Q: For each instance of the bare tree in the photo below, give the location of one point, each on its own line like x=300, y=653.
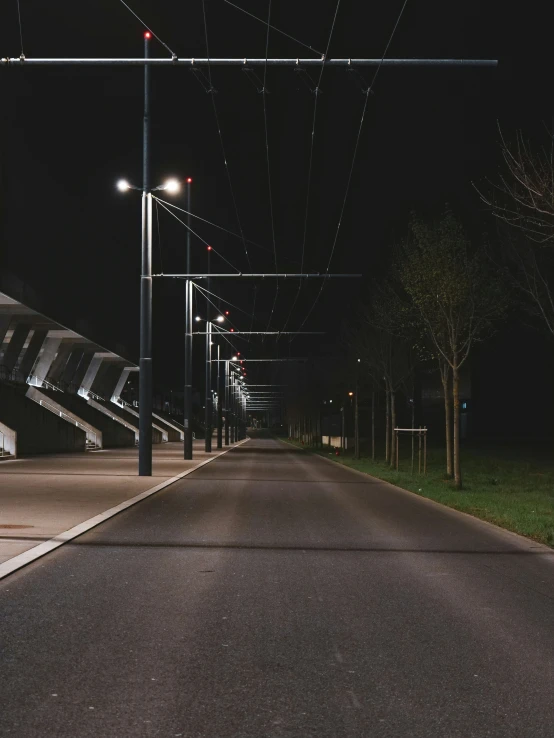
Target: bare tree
x=524, y=195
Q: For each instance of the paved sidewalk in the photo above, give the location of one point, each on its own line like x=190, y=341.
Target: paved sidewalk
x=42, y=496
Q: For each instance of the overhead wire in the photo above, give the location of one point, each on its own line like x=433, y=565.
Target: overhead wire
x=227, y=302
x=211, y=248
x=202, y=292
x=173, y=54
x=20, y=28
x=316, y=98
x=356, y=145
x=264, y=92
x=159, y=237
x=218, y=126
x=221, y=228
x=306, y=46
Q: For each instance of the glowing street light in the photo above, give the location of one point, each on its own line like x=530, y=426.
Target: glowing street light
x=145, y=362
x=123, y=185
x=171, y=185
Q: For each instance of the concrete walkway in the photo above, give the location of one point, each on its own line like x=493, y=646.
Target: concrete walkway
x=42, y=496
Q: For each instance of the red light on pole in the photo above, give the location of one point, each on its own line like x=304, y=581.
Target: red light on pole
x=232, y=330
x=189, y=180
x=226, y=312
x=209, y=248
x=147, y=34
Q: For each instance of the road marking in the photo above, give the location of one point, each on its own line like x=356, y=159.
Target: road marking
x=18, y=562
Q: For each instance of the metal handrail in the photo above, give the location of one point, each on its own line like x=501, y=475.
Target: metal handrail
x=36, y=382
x=55, y=410
x=94, y=396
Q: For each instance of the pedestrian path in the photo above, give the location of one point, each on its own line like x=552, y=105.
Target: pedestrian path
x=43, y=496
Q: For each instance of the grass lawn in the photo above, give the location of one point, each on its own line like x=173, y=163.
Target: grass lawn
x=511, y=486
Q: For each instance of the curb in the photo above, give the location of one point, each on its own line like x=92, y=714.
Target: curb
x=27, y=557
x=516, y=538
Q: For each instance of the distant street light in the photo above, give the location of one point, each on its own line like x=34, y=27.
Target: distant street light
x=209, y=397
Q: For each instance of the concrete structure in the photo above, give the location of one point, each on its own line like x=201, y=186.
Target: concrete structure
x=49, y=371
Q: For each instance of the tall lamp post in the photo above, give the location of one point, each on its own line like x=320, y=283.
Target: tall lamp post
x=208, y=394
x=145, y=363
x=187, y=398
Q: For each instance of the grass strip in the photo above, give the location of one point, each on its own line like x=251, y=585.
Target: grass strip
x=509, y=486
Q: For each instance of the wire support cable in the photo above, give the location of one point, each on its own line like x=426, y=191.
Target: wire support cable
x=159, y=236
x=353, y=162
x=213, y=294
x=20, y=29
x=219, y=227
x=310, y=165
x=217, y=309
x=223, y=152
x=199, y=237
x=264, y=93
x=274, y=28
x=173, y=54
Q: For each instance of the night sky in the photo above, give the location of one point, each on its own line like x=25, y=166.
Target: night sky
x=67, y=135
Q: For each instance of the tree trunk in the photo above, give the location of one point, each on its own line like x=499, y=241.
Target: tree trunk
x=412, y=433
x=393, y=426
x=387, y=424
x=456, y=397
x=373, y=425
x=445, y=376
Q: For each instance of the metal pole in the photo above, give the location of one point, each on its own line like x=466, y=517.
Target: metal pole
x=232, y=405
x=373, y=425
x=419, y=451
x=356, y=423
x=187, y=410
x=187, y=420
x=425, y=451
x=208, y=406
x=220, y=395
x=413, y=437
x=145, y=363
x=227, y=410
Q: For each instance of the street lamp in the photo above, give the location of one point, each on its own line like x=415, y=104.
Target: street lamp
x=145, y=363
x=209, y=398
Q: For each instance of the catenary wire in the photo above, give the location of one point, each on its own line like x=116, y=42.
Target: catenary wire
x=316, y=97
x=356, y=145
x=159, y=236
x=306, y=46
x=227, y=302
x=264, y=92
x=218, y=126
x=199, y=237
x=221, y=228
x=205, y=293
x=148, y=28
x=20, y=28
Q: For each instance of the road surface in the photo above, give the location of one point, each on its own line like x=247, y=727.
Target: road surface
x=272, y=594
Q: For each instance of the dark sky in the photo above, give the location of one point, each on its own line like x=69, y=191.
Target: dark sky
x=68, y=134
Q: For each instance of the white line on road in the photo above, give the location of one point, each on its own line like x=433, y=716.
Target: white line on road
x=8, y=567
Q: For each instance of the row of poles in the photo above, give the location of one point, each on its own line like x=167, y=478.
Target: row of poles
x=145, y=362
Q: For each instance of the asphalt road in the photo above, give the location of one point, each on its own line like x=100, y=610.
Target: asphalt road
x=272, y=594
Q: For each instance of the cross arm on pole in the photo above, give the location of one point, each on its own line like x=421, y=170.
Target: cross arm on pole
x=243, y=62
x=260, y=276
